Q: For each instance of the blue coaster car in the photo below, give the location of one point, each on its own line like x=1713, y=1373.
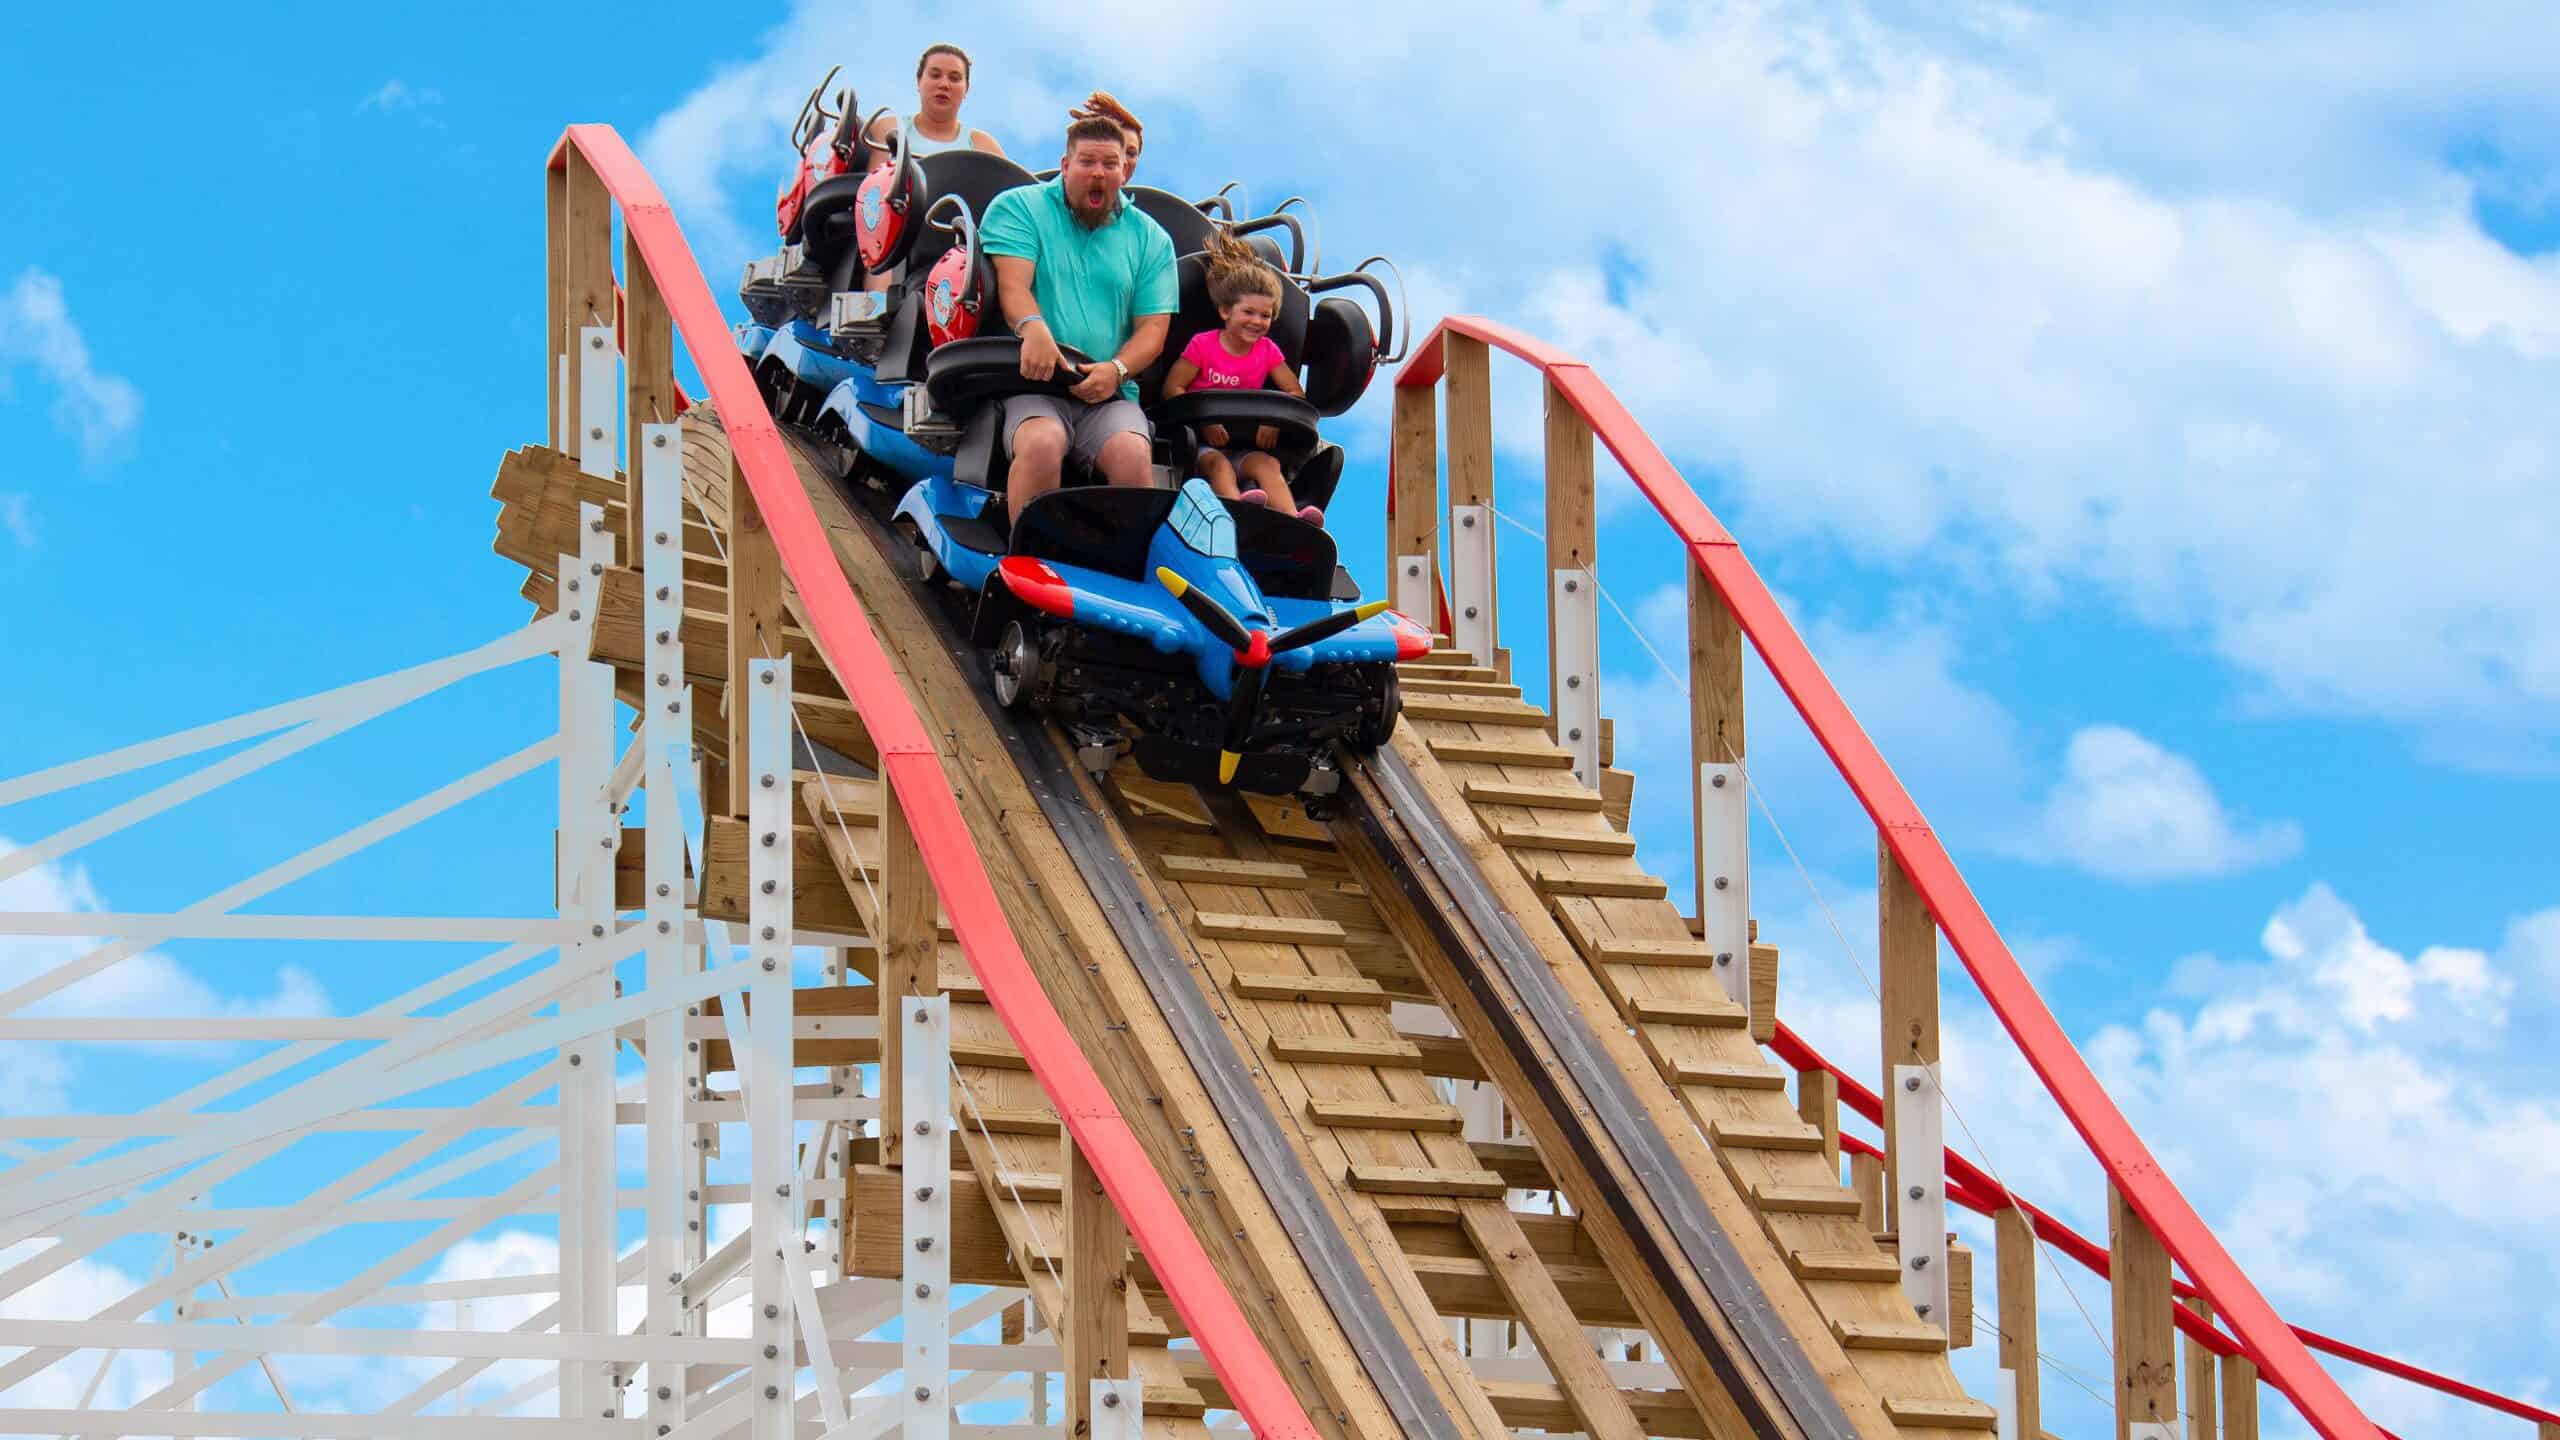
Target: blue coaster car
x=1208, y=626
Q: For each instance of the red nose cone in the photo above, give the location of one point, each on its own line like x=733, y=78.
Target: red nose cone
x=1257, y=654
x=1037, y=585
x=1411, y=643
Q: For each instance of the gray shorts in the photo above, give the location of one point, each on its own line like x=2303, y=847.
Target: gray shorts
x=1087, y=426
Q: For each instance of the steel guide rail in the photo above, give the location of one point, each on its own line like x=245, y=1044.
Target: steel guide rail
x=1223, y=1074
x=1703, y=1244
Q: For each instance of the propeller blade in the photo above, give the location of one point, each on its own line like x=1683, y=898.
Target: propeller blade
x=1242, y=711
x=1205, y=609
x=1327, y=626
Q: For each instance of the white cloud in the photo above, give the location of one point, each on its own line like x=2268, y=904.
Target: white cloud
x=34, y=1077
x=36, y=329
x=2127, y=809
x=1930, y=294
x=17, y=516
x=400, y=95
x=77, y=1290
x=2335, y=1108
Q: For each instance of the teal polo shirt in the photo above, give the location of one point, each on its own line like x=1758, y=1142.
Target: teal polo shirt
x=1091, y=285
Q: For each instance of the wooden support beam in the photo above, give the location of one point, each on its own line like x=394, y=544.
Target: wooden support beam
x=1764, y=993
x=1094, y=1330
x=648, y=372
x=1818, y=1101
x=755, y=616
x=1907, y=964
x=587, y=295
x=2202, y=1390
x=1866, y=1182
x=1467, y=370
x=2016, y=1263
x=1715, y=695
x=906, y=948
x=1416, y=531
x=2240, y=1402
x=1522, y=1274
x=2146, y=1356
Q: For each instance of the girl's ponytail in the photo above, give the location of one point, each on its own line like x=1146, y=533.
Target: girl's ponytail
x=1236, y=270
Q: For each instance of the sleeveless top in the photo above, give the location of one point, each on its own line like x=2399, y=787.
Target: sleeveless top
x=919, y=144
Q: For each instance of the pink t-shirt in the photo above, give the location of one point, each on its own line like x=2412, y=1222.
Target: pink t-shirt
x=1221, y=370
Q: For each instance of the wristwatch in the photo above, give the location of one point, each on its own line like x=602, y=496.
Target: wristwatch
x=1115, y=364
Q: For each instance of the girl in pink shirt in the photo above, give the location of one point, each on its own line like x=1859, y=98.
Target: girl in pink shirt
x=1240, y=355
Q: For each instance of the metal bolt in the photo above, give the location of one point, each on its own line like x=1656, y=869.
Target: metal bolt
x=770, y=1311
x=765, y=679
x=924, y=1392
x=665, y=1394
x=924, y=1127
x=1912, y=1084
x=768, y=964
x=768, y=932
x=924, y=1242
x=772, y=1392
x=923, y=1016
x=782, y=1190
x=1917, y=1192
x=768, y=837
x=1574, y=734
x=1724, y=957
x=1717, y=782
x=575, y=615
x=573, y=586
x=693, y=1194
x=694, y=1224
x=1413, y=569
x=1919, y=1262
x=577, y=1060
x=662, y=537
x=1572, y=586
x=772, y=1352
x=665, y=926
x=658, y=442
x=1471, y=612
x=693, y=1044
x=766, y=887
x=1722, y=883
x=605, y=841
x=596, y=930
x=595, y=567
x=1573, y=682
x=664, y=636
x=662, y=889
x=924, y=1192
x=666, y=1429
x=662, y=592
x=923, y=1290
x=1467, y=522
x=663, y=679
x=1110, y=1400
x=595, y=342
x=595, y=432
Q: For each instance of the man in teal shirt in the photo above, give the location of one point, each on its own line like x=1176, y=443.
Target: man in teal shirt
x=1077, y=265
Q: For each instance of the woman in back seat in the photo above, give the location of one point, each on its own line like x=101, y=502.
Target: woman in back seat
x=942, y=82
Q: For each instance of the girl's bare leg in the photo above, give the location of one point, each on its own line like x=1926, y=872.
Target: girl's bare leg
x=1263, y=469
x=1221, y=475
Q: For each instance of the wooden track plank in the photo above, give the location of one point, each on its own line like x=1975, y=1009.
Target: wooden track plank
x=1453, y=750
x=1548, y=837
x=1946, y=1414
x=1418, y=1180
x=1566, y=880
x=1386, y=1115
x=1320, y=989
x=1541, y=797
x=1888, y=1335
x=1393, y=1052
x=1843, y=1265
x=1470, y=710
x=1221, y=870
x=1712, y=1013
x=1729, y=1076
x=1804, y=1199
x=1754, y=1135
x=1271, y=929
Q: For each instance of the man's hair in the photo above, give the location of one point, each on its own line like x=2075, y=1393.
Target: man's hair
x=954, y=51
x=1094, y=127
x=1235, y=271
x=1100, y=105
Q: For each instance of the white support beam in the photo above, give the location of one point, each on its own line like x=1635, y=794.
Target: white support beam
x=599, y=400
x=925, y=1215
x=1724, y=874
x=673, y=1162
x=1471, y=580
x=764, y=1068
x=589, y=834
x=1118, y=1409
x=1573, y=600
x=1919, y=1118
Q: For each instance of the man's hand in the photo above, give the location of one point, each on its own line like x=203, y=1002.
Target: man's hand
x=1214, y=436
x=1040, y=355
x=1101, y=382
x=1267, y=438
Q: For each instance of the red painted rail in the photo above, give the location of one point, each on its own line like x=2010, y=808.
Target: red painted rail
x=2280, y=1354
x=914, y=774
x=1973, y=1188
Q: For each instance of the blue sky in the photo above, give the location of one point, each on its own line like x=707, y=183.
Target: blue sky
x=2146, y=418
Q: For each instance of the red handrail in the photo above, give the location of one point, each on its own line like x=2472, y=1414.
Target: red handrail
x=913, y=771
x=1970, y=1186
x=2110, y=1137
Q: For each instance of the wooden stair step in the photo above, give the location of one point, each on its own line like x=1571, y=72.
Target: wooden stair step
x=1429, y=683
x=1965, y=1414
x=1443, y=653
x=1321, y=989
x=1172, y=1402
x=1410, y=1180
x=1541, y=797
x=1549, y=837
x=1709, y=1014
x=1016, y=1122
x=1843, y=1265
x=1454, y=751
x=1765, y=1135
x=1447, y=672
x=1032, y=1186
x=1804, y=1199
x=1887, y=1335
x=1728, y=1076
x=1470, y=710
x=1673, y=954
x=1273, y=929
x=1565, y=880
x=1393, y=1052
x=1219, y=870
x=987, y=1056
x=1386, y=1115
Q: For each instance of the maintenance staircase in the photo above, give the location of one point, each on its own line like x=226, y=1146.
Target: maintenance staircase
x=1436, y=1115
